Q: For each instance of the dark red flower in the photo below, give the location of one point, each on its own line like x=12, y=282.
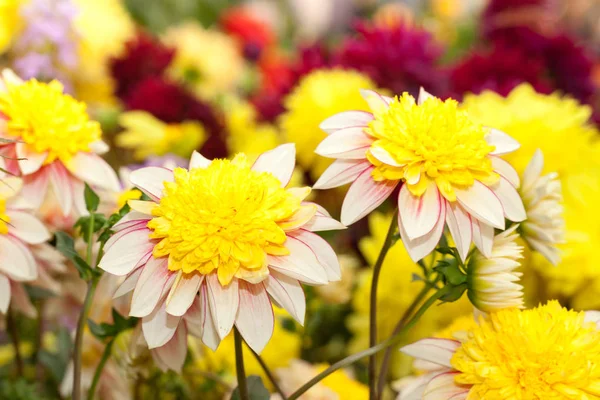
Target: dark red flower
x=399, y=57
x=253, y=34
x=143, y=57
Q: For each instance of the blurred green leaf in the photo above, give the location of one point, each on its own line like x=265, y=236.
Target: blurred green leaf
x=256, y=389
x=66, y=245
x=91, y=199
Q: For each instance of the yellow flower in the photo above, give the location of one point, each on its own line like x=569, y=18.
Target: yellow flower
x=208, y=60
x=148, y=136
x=320, y=95
x=9, y=22
x=458, y=329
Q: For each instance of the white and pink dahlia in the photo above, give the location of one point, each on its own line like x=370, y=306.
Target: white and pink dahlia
x=225, y=236
x=447, y=166
x=49, y=139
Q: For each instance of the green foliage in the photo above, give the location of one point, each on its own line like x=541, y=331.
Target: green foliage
x=91, y=199
x=256, y=389
x=19, y=390
x=105, y=331
x=66, y=245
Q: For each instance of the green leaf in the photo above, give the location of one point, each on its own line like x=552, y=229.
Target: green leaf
x=91, y=199
x=455, y=294
x=66, y=245
x=256, y=389
x=445, y=250
x=451, y=271
x=102, y=331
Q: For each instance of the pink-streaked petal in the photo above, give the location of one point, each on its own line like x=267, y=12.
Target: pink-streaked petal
x=421, y=247
x=364, y=196
x=324, y=252
x=4, y=294
x=424, y=95
x=35, y=187
x=99, y=147
x=481, y=202
x=193, y=316
x=92, y=169
x=510, y=199
x=349, y=143
x=255, y=319
x=16, y=261
x=198, y=161
x=459, y=224
x=61, y=183
x=288, y=293
x=321, y=222
x=125, y=230
x=437, y=351
x=224, y=302
x=300, y=218
x=376, y=101
x=130, y=219
x=210, y=335
x=418, y=215
x=149, y=287
x=504, y=143
x=128, y=284
x=341, y=172
x=301, y=263
x=171, y=356
x=533, y=170
x=29, y=161
x=150, y=180
x=413, y=387
x=506, y=170
x=383, y=155
x=122, y=257
x=159, y=327
x=28, y=228
x=78, y=188
x=346, y=119
x=184, y=294
x=483, y=237
x=280, y=162
x=442, y=386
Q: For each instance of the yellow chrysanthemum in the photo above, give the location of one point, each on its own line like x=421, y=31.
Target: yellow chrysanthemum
x=395, y=293
x=9, y=22
x=545, y=353
x=149, y=136
x=47, y=120
x=318, y=96
x=208, y=60
x=98, y=44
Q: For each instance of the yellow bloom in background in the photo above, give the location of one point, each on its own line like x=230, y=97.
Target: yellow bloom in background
x=9, y=22
x=149, y=136
x=208, y=60
x=104, y=26
x=246, y=134
x=395, y=293
x=317, y=97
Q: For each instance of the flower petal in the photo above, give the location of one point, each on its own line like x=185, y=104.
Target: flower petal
x=481, y=203
x=184, y=293
x=198, y=161
x=171, y=355
x=122, y=256
x=442, y=386
x=437, y=351
x=150, y=180
x=4, y=294
x=375, y=100
x=288, y=293
x=418, y=215
x=92, y=169
x=35, y=187
x=364, y=196
x=301, y=263
x=483, y=236
x=323, y=251
x=349, y=143
x=280, y=162
x=341, y=172
x=159, y=327
x=459, y=224
x=346, y=119
x=16, y=261
x=128, y=284
x=210, y=335
x=27, y=227
x=149, y=287
x=99, y=147
x=423, y=95
x=29, y=161
x=512, y=204
x=305, y=213
x=255, y=319
x=421, y=247
x=383, y=155
x=61, y=183
x=533, y=170
x=224, y=302
x=504, y=143
x=506, y=170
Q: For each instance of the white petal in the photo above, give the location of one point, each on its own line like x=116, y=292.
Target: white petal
x=418, y=215
x=149, y=287
x=61, y=183
x=224, y=302
x=437, y=351
x=383, y=155
x=128, y=284
x=159, y=327
x=421, y=247
x=16, y=260
x=442, y=386
x=341, y=172
x=375, y=100
x=533, y=170
x=481, y=203
x=172, y=354
x=288, y=293
x=322, y=223
x=255, y=319
x=20, y=301
x=483, y=237
x=301, y=263
x=364, y=196
x=150, y=180
x=324, y=252
x=506, y=170
x=92, y=169
x=280, y=162
x=4, y=294
x=413, y=387
x=503, y=142
x=27, y=227
x=29, y=161
x=346, y=119
x=349, y=143
x=423, y=95
x=122, y=256
x=210, y=335
x=459, y=224
x=35, y=188
x=510, y=199
x=590, y=316
x=199, y=161
x=99, y=147
x=184, y=294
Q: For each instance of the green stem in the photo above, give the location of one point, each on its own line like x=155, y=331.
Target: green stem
x=105, y=356
x=239, y=366
x=387, y=244
x=373, y=350
x=269, y=375
x=11, y=326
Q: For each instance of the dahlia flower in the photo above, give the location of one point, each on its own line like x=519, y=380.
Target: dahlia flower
x=544, y=227
x=233, y=244
x=493, y=281
x=19, y=232
x=547, y=353
x=56, y=142
x=447, y=167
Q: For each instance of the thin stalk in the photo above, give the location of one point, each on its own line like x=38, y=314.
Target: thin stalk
x=11, y=325
x=373, y=350
x=373, y=303
x=239, y=366
x=98, y=373
x=269, y=375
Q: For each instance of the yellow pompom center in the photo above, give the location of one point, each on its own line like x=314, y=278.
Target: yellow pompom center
x=224, y=217
x=434, y=141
